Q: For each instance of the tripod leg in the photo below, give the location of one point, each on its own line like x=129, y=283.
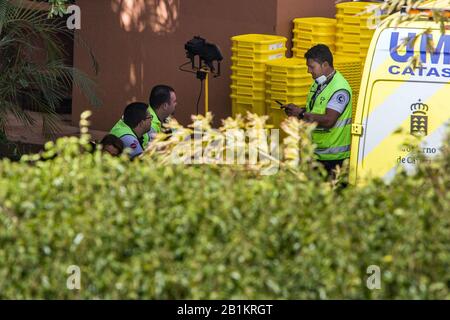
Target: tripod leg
x=206, y=93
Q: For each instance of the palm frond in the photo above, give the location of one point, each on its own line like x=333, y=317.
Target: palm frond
x=41, y=84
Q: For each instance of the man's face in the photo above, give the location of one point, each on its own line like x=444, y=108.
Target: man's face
x=147, y=122
x=170, y=107
x=314, y=68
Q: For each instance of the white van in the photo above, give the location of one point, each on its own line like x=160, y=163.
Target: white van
x=398, y=101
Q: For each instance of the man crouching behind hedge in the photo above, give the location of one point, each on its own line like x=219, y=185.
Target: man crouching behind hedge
x=133, y=129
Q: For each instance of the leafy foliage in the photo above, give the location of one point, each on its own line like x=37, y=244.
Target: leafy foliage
x=150, y=229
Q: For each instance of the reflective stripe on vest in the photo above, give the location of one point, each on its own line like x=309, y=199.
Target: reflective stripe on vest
x=343, y=123
x=333, y=150
x=121, y=129
x=333, y=143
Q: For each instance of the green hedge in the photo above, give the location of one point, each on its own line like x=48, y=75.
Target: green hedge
x=143, y=230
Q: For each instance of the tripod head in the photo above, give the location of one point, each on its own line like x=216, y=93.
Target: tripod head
x=208, y=55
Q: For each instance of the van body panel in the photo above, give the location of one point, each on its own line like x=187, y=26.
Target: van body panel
x=399, y=104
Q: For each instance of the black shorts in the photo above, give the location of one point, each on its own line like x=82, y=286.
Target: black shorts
x=331, y=165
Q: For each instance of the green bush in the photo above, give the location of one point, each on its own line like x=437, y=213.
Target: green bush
x=145, y=230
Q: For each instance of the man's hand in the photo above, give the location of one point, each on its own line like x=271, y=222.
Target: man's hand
x=293, y=111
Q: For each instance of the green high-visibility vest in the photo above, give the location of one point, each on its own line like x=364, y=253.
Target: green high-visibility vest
x=121, y=129
x=156, y=123
x=334, y=143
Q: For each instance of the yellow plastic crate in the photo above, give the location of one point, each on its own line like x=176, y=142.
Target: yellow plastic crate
x=247, y=82
x=299, y=53
x=355, y=82
x=252, y=73
x=363, y=30
x=352, y=8
x=252, y=93
x=275, y=113
x=361, y=21
x=350, y=67
x=258, y=42
x=240, y=105
x=352, y=38
x=299, y=99
x=352, y=76
x=349, y=29
x=366, y=43
x=303, y=47
x=350, y=48
x=289, y=66
x=288, y=88
x=363, y=58
x=315, y=25
x=247, y=63
x=363, y=53
x=342, y=59
x=353, y=29
x=298, y=80
x=315, y=37
x=259, y=55
x=305, y=44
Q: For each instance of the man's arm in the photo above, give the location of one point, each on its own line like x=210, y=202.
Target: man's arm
x=326, y=121
x=130, y=142
x=335, y=108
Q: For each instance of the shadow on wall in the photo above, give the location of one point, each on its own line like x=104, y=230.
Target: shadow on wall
x=134, y=15
x=140, y=43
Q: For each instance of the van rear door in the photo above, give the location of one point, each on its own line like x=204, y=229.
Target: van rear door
x=399, y=103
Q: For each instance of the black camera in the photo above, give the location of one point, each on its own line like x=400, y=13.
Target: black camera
x=207, y=52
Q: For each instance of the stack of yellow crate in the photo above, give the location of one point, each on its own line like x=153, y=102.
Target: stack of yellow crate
x=288, y=81
x=351, y=69
x=355, y=28
x=309, y=32
x=250, y=54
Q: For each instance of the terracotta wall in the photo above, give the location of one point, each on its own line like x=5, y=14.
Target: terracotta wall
x=140, y=43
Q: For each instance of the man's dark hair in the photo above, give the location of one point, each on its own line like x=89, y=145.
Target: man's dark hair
x=134, y=113
x=114, y=141
x=160, y=94
x=320, y=53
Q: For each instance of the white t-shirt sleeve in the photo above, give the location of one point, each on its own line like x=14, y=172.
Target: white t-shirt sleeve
x=133, y=144
x=339, y=101
x=151, y=134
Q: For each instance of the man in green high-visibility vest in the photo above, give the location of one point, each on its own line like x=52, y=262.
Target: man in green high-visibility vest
x=162, y=105
x=329, y=104
x=134, y=127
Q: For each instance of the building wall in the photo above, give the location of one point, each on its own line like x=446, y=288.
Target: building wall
x=140, y=43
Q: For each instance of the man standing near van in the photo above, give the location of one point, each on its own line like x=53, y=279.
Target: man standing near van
x=329, y=104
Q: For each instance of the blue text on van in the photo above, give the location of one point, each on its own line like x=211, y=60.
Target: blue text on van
x=441, y=49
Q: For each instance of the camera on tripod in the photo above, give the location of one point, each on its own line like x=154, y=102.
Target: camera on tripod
x=208, y=53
